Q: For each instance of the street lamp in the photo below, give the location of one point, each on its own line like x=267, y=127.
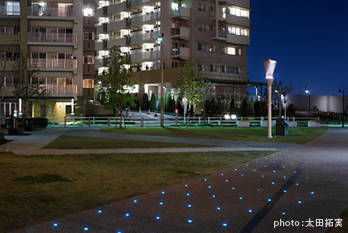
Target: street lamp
x=341, y=90
x=269, y=66
x=309, y=99
x=160, y=40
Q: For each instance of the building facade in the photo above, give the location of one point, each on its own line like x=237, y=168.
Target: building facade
x=57, y=37
x=215, y=32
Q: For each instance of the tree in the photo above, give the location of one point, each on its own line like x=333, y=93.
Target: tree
x=145, y=104
x=257, y=108
x=168, y=106
x=116, y=82
x=191, y=83
x=153, y=106
x=3, y=89
x=245, y=109
x=205, y=93
x=232, y=106
x=26, y=84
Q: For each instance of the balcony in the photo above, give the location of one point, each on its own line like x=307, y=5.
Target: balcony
x=222, y=35
x=223, y=76
x=53, y=64
x=242, y=21
x=145, y=37
x=141, y=2
x=53, y=39
x=117, y=42
x=181, y=53
x=148, y=56
x=51, y=13
x=148, y=18
x=221, y=15
x=181, y=13
x=182, y=33
x=236, y=39
x=9, y=39
x=60, y=90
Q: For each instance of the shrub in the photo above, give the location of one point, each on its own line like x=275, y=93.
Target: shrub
x=38, y=122
x=257, y=109
x=145, y=104
x=245, y=110
x=153, y=102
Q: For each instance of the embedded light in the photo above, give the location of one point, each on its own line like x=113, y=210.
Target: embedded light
x=307, y=178
x=257, y=161
x=284, y=191
x=157, y=217
x=127, y=214
x=222, y=174
x=240, y=198
x=213, y=196
x=233, y=188
x=263, y=175
x=289, y=156
x=283, y=166
x=163, y=192
x=209, y=187
x=205, y=179
x=312, y=193
x=265, y=166
x=283, y=213
x=218, y=208
x=284, y=177
x=265, y=158
x=185, y=185
x=272, y=182
x=235, y=169
x=226, y=180
x=161, y=203
x=86, y=228
x=242, y=174
x=227, y=117
x=99, y=82
x=258, y=189
x=55, y=224
x=299, y=202
x=189, y=221
x=135, y=201
x=224, y=224
x=250, y=211
x=273, y=155
x=254, y=170
x=274, y=170
x=189, y=206
x=296, y=183
x=247, y=165
x=292, y=163
x=99, y=211
x=294, y=171
x=187, y=194
x=269, y=200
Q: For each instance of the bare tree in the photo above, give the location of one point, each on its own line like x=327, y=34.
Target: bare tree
x=26, y=84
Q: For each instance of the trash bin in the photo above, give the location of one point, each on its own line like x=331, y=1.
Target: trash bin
x=282, y=128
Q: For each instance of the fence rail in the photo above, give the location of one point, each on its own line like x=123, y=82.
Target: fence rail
x=135, y=122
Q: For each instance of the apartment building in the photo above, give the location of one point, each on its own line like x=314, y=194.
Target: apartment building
x=57, y=36
x=217, y=32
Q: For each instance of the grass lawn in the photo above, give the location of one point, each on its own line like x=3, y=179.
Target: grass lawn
x=69, y=142
x=41, y=188
x=296, y=135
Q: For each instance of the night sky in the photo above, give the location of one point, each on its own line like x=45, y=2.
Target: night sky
x=308, y=39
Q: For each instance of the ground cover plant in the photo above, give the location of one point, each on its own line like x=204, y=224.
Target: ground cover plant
x=296, y=135
x=70, y=142
x=41, y=188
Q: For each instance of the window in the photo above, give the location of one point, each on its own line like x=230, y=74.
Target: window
x=13, y=8
x=239, y=12
x=88, y=59
x=204, y=27
x=88, y=12
x=212, y=68
x=230, y=69
x=201, y=7
x=231, y=51
x=207, y=47
x=88, y=83
x=88, y=36
x=238, y=31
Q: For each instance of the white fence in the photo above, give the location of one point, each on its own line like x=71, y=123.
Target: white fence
x=173, y=121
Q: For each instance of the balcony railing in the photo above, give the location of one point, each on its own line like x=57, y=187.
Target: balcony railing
x=52, y=37
x=52, y=11
x=145, y=56
x=145, y=18
x=221, y=34
x=140, y=2
x=60, y=89
x=52, y=63
x=145, y=36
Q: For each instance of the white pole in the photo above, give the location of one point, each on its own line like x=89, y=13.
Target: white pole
x=269, y=66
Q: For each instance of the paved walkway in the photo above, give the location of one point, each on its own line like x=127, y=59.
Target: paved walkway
x=31, y=145
x=301, y=184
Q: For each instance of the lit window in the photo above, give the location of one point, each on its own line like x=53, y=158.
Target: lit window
x=175, y=6
x=87, y=12
x=13, y=8
x=88, y=83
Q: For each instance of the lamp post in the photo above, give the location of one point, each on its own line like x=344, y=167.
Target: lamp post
x=341, y=90
x=160, y=40
x=165, y=98
x=309, y=99
x=269, y=66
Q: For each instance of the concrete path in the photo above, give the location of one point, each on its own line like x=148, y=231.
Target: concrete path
x=300, y=189
x=31, y=145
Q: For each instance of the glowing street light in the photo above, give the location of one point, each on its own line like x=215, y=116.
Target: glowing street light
x=269, y=66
